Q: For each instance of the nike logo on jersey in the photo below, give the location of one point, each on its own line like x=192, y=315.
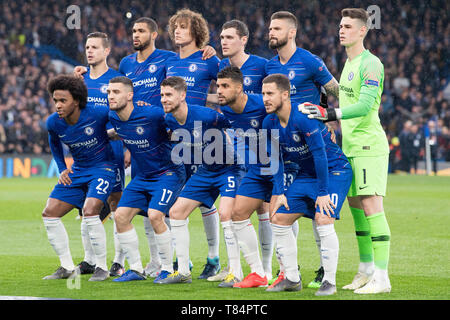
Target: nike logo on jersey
x=128, y=73
x=360, y=188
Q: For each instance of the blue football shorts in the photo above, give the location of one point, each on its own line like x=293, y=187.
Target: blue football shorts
x=302, y=193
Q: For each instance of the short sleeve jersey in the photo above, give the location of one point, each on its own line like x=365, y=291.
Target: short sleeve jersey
x=306, y=72
x=197, y=73
x=253, y=71
x=147, y=75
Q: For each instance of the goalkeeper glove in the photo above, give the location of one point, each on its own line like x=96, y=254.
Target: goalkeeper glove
x=317, y=112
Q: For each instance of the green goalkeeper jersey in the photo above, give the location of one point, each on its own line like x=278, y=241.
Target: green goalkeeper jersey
x=360, y=89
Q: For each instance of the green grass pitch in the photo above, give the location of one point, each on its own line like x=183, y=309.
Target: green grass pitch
x=417, y=207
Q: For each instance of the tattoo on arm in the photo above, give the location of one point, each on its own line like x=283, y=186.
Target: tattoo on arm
x=332, y=87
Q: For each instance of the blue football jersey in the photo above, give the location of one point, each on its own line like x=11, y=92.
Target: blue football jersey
x=97, y=96
x=306, y=72
x=145, y=135
x=87, y=140
x=253, y=70
x=197, y=73
x=146, y=76
x=196, y=135
x=247, y=126
x=300, y=140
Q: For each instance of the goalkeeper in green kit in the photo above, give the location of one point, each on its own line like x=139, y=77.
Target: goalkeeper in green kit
x=365, y=144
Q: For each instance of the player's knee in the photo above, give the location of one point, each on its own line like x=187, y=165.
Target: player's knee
x=155, y=217
x=175, y=213
x=322, y=219
x=239, y=214
x=48, y=213
x=90, y=211
x=121, y=219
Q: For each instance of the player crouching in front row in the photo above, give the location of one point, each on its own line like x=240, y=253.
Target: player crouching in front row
x=318, y=191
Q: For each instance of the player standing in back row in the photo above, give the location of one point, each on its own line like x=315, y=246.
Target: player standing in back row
x=365, y=144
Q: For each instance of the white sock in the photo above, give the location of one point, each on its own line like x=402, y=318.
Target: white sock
x=150, y=233
x=167, y=221
x=165, y=250
x=89, y=255
x=287, y=250
x=129, y=242
x=59, y=240
x=248, y=243
x=210, y=218
x=295, y=229
x=366, y=267
x=119, y=254
x=265, y=240
x=180, y=230
x=97, y=235
x=234, y=255
x=330, y=251
x=317, y=238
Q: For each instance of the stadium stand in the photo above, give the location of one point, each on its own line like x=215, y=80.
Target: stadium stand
x=413, y=42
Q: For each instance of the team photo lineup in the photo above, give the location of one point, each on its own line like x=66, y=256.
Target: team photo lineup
x=159, y=106
x=224, y=150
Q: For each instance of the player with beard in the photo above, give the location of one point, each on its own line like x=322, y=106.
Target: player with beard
x=158, y=180
x=307, y=74
x=147, y=69
x=216, y=175
x=318, y=191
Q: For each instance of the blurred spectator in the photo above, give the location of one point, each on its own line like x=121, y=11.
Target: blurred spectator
x=413, y=43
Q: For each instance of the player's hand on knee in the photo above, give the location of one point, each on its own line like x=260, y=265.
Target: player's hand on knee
x=127, y=158
x=276, y=202
x=331, y=131
x=64, y=177
x=325, y=205
x=78, y=71
x=208, y=52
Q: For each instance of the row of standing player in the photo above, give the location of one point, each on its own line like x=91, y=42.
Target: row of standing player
x=303, y=69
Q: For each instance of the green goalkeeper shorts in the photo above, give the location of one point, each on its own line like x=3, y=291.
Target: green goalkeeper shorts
x=369, y=176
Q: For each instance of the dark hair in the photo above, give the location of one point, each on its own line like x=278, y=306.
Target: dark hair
x=280, y=80
x=175, y=82
x=151, y=24
x=285, y=15
x=122, y=79
x=198, y=26
x=74, y=85
x=231, y=72
x=241, y=27
x=356, y=13
x=101, y=35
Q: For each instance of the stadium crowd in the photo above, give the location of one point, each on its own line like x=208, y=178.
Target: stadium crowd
x=413, y=43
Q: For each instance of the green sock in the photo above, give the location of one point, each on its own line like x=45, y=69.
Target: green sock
x=381, y=239
x=362, y=229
